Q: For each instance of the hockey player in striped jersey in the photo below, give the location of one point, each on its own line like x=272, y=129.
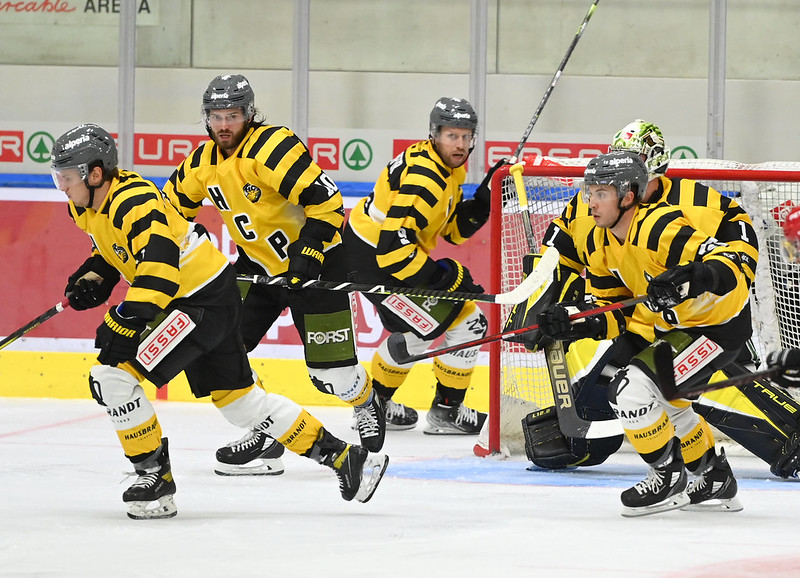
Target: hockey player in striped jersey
x=285, y=216
x=418, y=200
x=754, y=415
x=186, y=290
x=698, y=305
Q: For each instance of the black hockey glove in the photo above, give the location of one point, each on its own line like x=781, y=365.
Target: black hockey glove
x=118, y=337
x=483, y=194
x=680, y=283
x=789, y=360
x=305, y=261
x=91, y=285
x=555, y=324
x=450, y=276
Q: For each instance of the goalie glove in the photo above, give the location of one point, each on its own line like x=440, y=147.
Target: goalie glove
x=555, y=323
x=789, y=361
x=683, y=282
x=450, y=276
x=91, y=285
x=118, y=337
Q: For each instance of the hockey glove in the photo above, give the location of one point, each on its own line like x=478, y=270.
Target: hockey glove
x=789, y=360
x=91, y=285
x=555, y=323
x=450, y=276
x=680, y=283
x=483, y=194
x=118, y=337
x=305, y=261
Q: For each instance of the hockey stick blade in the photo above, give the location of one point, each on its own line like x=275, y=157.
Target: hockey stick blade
x=521, y=292
x=52, y=312
x=398, y=347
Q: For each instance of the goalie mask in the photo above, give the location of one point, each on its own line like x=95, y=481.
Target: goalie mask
x=229, y=91
x=791, y=231
x=643, y=138
x=78, y=151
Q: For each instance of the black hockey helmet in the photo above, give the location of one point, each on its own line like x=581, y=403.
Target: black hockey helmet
x=229, y=91
x=455, y=112
x=83, y=147
x=625, y=171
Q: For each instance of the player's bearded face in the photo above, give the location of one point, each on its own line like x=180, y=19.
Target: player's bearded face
x=453, y=145
x=228, y=128
x=604, y=204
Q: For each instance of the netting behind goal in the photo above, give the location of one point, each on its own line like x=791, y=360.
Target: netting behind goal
x=519, y=382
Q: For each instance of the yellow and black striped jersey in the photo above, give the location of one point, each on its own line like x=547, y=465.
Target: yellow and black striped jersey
x=660, y=237
x=706, y=209
x=413, y=204
x=154, y=248
x=265, y=192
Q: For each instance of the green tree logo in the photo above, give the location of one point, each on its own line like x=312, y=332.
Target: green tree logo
x=683, y=152
x=39, y=146
x=357, y=154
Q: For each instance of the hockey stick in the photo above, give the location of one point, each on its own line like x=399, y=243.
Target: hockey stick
x=398, y=348
x=52, y=312
x=556, y=76
x=537, y=278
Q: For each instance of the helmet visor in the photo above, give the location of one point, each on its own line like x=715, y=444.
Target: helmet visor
x=66, y=177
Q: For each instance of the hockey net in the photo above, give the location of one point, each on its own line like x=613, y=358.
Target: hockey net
x=519, y=382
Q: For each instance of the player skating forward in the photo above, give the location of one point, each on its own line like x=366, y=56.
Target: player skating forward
x=760, y=417
x=698, y=305
x=179, y=278
x=390, y=236
x=285, y=216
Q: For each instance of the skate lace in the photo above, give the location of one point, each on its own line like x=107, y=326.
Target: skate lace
x=249, y=440
x=395, y=410
x=367, y=421
x=653, y=481
x=467, y=415
x=145, y=481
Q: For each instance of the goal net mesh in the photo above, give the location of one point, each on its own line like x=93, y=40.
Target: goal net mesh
x=519, y=381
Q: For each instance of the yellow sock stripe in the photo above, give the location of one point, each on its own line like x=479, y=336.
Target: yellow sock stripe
x=142, y=438
x=388, y=374
x=223, y=397
x=301, y=436
x=697, y=442
x=651, y=438
x=449, y=376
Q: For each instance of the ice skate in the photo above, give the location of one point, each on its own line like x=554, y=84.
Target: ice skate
x=662, y=490
x=399, y=416
x=256, y=454
x=455, y=419
x=151, y=495
x=371, y=423
x=715, y=489
x=359, y=471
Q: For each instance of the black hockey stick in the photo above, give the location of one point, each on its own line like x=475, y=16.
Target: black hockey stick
x=553, y=82
x=538, y=277
x=52, y=312
x=672, y=391
x=398, y=348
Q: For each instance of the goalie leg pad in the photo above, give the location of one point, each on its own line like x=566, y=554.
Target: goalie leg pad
x=787, y=463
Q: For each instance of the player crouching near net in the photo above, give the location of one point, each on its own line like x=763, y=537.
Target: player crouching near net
x=697, y=301
x=178, y=277
x=390, y=236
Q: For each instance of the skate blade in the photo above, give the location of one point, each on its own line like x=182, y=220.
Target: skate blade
x=164, y=507
x=716, y=505
x=257, y=467
x=672, y=503
x=398, y=427
x=371, y=475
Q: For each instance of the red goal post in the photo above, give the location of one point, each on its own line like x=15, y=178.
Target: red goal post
x=518, y=379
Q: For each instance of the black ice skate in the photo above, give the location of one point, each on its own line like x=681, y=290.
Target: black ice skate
x=715, y=489
x=371, y=423
x=154, y=484
x=662, y=490
x=256, y=454
x=399, y=416
x=455, y=419
x=359, y=471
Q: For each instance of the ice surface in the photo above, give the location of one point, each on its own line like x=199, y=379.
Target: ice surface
x=439, y=512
